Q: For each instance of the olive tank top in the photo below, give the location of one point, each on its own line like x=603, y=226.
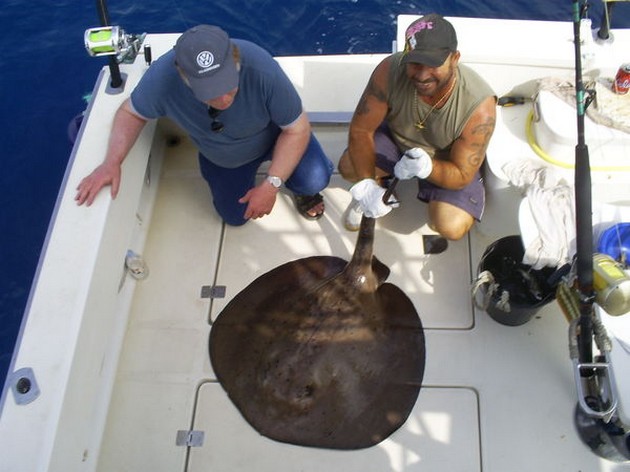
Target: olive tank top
x=442, y=126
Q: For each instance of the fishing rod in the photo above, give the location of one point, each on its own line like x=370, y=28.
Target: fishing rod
x=114, y=69
x=594, y=378
x=583, y=202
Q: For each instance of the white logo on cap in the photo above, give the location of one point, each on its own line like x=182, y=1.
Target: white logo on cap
x=205, y=59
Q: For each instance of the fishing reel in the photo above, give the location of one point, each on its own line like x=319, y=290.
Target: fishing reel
x=597, y=418
x=113, y=41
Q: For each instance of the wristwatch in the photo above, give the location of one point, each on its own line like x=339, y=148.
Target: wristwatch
x=274, y=180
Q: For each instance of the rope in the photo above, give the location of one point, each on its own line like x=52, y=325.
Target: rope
x=567, y=298
x=504, y=302
x=604, y=344
x=601, y=336
x=574, y=352
x=486, y=278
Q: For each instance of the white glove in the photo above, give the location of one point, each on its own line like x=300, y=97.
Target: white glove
x=415, y=162
x=369, y=194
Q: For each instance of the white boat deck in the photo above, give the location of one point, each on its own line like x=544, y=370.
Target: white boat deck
x=122, y=365
x=488, y=390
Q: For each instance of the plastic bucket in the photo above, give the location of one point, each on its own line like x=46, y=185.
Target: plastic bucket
x=513, y=292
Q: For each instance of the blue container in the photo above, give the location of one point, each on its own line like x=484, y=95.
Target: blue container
x=615, y=242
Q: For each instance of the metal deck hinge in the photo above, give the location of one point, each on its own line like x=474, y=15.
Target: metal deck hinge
x=216, y=291
x=189, y=438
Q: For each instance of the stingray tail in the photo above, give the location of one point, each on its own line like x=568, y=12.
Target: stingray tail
x=365, y=271
x=363, y=250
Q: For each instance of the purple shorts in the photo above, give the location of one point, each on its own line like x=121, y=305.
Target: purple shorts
x=471, y=198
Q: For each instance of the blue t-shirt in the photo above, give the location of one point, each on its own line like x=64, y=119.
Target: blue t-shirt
x=266, y=100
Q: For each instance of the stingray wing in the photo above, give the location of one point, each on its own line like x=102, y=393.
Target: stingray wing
x=309, y=360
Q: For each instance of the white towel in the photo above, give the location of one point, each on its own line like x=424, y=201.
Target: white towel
x=552, y=206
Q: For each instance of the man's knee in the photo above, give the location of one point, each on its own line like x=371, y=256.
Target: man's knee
x=452, y=232
x=230, y=214
x=345, y=167
x=235, y=221
x=451, y=222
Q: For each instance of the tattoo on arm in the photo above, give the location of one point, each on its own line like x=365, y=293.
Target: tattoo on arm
x=370, y=90
x=481, y=137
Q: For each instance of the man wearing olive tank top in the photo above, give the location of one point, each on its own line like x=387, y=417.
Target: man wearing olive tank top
x=422, y=115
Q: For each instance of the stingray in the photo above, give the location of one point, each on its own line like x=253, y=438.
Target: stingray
x=320, y=352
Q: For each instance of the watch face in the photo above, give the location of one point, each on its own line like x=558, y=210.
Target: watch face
x=275, y=181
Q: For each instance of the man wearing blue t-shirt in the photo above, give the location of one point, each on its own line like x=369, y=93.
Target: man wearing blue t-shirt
x=240, y=109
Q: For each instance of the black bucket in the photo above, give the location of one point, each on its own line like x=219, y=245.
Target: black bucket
x=514, y=292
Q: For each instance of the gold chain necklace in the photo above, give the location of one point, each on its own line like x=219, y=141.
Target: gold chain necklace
x=421, y=121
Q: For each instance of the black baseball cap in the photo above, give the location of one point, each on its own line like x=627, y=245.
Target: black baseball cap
x=429, y=40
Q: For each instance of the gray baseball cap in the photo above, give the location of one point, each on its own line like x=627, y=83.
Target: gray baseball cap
x=204, y=55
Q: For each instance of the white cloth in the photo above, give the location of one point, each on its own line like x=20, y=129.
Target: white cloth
x=415, y=162
x=552, y=207
x=608, y=108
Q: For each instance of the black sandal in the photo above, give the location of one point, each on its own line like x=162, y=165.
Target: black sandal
x=306, y=203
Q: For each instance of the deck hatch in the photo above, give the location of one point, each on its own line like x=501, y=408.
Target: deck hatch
x=444, y=420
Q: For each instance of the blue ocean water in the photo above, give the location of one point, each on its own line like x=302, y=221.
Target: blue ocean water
x=45, y=73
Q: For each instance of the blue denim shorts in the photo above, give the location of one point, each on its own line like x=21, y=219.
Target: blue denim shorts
x=471, y=199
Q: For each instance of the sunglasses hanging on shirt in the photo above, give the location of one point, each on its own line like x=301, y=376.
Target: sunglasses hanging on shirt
x=216, y=125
